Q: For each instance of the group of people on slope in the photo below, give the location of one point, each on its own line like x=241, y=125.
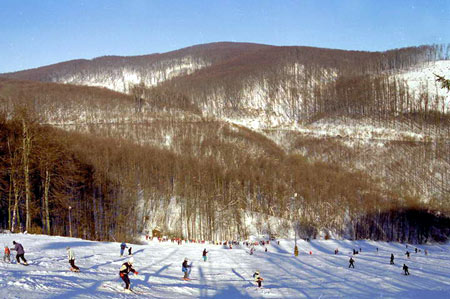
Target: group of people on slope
x=405, y=268
x=20, y=256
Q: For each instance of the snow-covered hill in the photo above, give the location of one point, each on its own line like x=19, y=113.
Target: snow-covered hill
x=422, y=78
x=227, y=273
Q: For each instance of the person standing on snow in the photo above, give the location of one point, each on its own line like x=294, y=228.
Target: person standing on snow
x=126, y=268
x=7, y=255
x=392, y=259
x=407, y=253
x=71, y=256
x=185, y=268
x=204, y=255
x=20, y=253
x=405, y=268
x=129, y=251
x=351, y=263
x=122, y=248
x=258, y=278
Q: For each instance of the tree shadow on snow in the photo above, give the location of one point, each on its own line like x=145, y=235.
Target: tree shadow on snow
x=228, y=292
x=63, y=245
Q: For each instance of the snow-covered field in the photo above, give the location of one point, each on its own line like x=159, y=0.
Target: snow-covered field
x=227, y=273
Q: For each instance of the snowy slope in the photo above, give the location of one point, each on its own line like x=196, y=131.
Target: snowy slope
x=423, y=78
x=228, y=272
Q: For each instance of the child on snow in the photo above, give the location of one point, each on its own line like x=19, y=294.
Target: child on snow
x=126, y=268
x=129, y=251
x=122, y=248
x=71, y=257
x=204, y=255
x=185, y=268
x=392, y=259
x=7, y=255
x=258, y=278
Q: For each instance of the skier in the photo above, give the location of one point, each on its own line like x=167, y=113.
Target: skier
x=122, y=248
x=407, y=253
x=405, y=268
x=426, y=252
x=20, y=253
x=258, y=278
x=129, y=251
x=265, y=249
x=415, y=249
x=392, y=259
x=71, y=256
x=204, y=255
x=185, y=268
x=126, y=268
x=7, y=255
x=336, y=251
x=351, y=261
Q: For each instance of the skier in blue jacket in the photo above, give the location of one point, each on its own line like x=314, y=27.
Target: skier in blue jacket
x=122, y=248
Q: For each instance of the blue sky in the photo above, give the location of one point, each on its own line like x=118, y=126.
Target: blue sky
x=40, y=32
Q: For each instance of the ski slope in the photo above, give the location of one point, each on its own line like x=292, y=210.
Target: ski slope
x=227, y=273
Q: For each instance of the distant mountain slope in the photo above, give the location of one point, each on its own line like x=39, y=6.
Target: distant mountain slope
x=117, y=72
x=224, y=58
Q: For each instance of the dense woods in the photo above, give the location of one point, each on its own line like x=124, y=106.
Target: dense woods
x=113, y=188
x=98, y=164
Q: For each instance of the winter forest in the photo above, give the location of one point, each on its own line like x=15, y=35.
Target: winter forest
x=221, y=141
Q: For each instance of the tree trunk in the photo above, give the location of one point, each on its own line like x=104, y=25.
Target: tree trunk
x=9, y=201
x=16, y=205
x=26, y=171
x=46, y=210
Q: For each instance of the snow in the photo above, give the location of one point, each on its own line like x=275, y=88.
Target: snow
x=121, y=78
x=227, y=273
x=423, y=77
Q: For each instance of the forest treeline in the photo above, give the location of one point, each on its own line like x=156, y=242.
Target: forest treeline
x=67, y=183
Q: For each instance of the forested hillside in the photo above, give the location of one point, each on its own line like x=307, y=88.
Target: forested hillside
x=252, y=139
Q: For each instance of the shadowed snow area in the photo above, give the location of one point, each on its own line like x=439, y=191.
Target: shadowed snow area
x=227, y=273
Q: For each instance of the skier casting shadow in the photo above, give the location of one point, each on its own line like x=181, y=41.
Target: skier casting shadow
x=405, y=268
x=351, y=263
x=185, y=268
x=258, y=279
x=71, y=256
x=126, y=268
x=204, y=255
x=20, y=253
